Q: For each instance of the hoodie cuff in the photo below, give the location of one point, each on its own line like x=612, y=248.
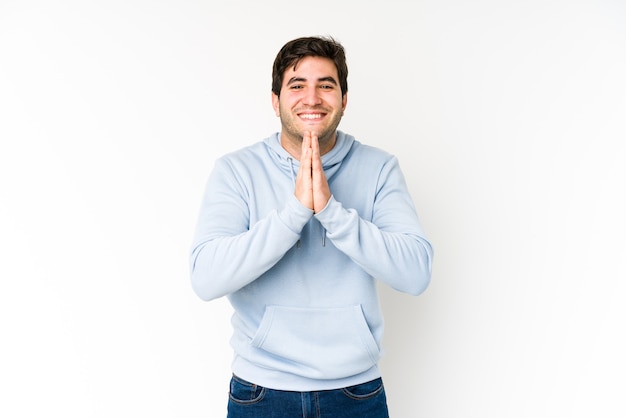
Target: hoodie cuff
x=295, y=215
x=334, y=217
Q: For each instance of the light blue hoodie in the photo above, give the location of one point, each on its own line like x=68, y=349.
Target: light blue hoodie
x=303, y=285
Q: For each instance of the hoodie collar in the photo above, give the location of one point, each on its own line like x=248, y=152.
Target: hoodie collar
x=331, y=161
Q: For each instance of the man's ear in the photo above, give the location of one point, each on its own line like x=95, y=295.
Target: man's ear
x=344, y=103
x=276, y=103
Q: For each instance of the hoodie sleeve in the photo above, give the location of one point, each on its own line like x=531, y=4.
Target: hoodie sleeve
x=392, y=247
x=227, y=252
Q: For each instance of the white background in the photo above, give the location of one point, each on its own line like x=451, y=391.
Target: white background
x=509, y=121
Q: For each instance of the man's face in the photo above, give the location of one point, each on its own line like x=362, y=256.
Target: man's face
x=310, y=100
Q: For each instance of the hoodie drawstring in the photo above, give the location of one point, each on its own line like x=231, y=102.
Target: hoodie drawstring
x=293, y=174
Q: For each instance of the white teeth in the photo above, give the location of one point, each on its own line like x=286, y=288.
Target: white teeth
x=311, y=116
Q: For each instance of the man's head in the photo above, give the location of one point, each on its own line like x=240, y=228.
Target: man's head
x=309, y=91
x=294, y=51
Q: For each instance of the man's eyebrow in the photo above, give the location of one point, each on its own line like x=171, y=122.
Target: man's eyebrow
x=328, y=79
x=296, y=80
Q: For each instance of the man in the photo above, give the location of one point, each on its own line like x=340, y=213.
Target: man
x=295, y=230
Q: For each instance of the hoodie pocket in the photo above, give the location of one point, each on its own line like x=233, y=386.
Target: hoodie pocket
x=316, y=343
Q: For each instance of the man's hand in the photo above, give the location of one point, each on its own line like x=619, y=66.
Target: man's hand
x=304, y=180
x=321, y=190
x=311, y=185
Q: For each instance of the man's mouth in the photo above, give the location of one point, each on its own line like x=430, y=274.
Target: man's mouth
x=311, y=116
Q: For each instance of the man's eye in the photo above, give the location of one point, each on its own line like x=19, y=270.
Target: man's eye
x=327, y=86
x=296, y=87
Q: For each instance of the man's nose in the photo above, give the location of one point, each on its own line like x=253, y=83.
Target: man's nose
x=312, y=97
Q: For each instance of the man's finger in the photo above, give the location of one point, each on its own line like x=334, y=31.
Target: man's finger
x=321, y=190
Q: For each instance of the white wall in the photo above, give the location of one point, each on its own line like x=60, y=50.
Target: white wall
x=508, y=119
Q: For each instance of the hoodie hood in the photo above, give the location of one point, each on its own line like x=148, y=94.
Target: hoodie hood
x=331, y=161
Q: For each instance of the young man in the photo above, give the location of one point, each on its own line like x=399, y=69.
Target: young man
x=295, y=230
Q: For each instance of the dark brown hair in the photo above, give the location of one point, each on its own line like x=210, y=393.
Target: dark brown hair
x=314, y=46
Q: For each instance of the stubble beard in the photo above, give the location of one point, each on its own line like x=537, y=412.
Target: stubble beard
x=325, y=137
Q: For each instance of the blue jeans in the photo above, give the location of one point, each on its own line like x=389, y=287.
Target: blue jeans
x=247, y=400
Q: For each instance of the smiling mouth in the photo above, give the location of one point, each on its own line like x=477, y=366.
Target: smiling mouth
x=311, y=116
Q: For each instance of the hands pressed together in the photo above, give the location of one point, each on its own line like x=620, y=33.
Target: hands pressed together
x=312, y=188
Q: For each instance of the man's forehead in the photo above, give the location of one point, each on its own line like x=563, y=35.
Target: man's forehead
x=300, y=69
